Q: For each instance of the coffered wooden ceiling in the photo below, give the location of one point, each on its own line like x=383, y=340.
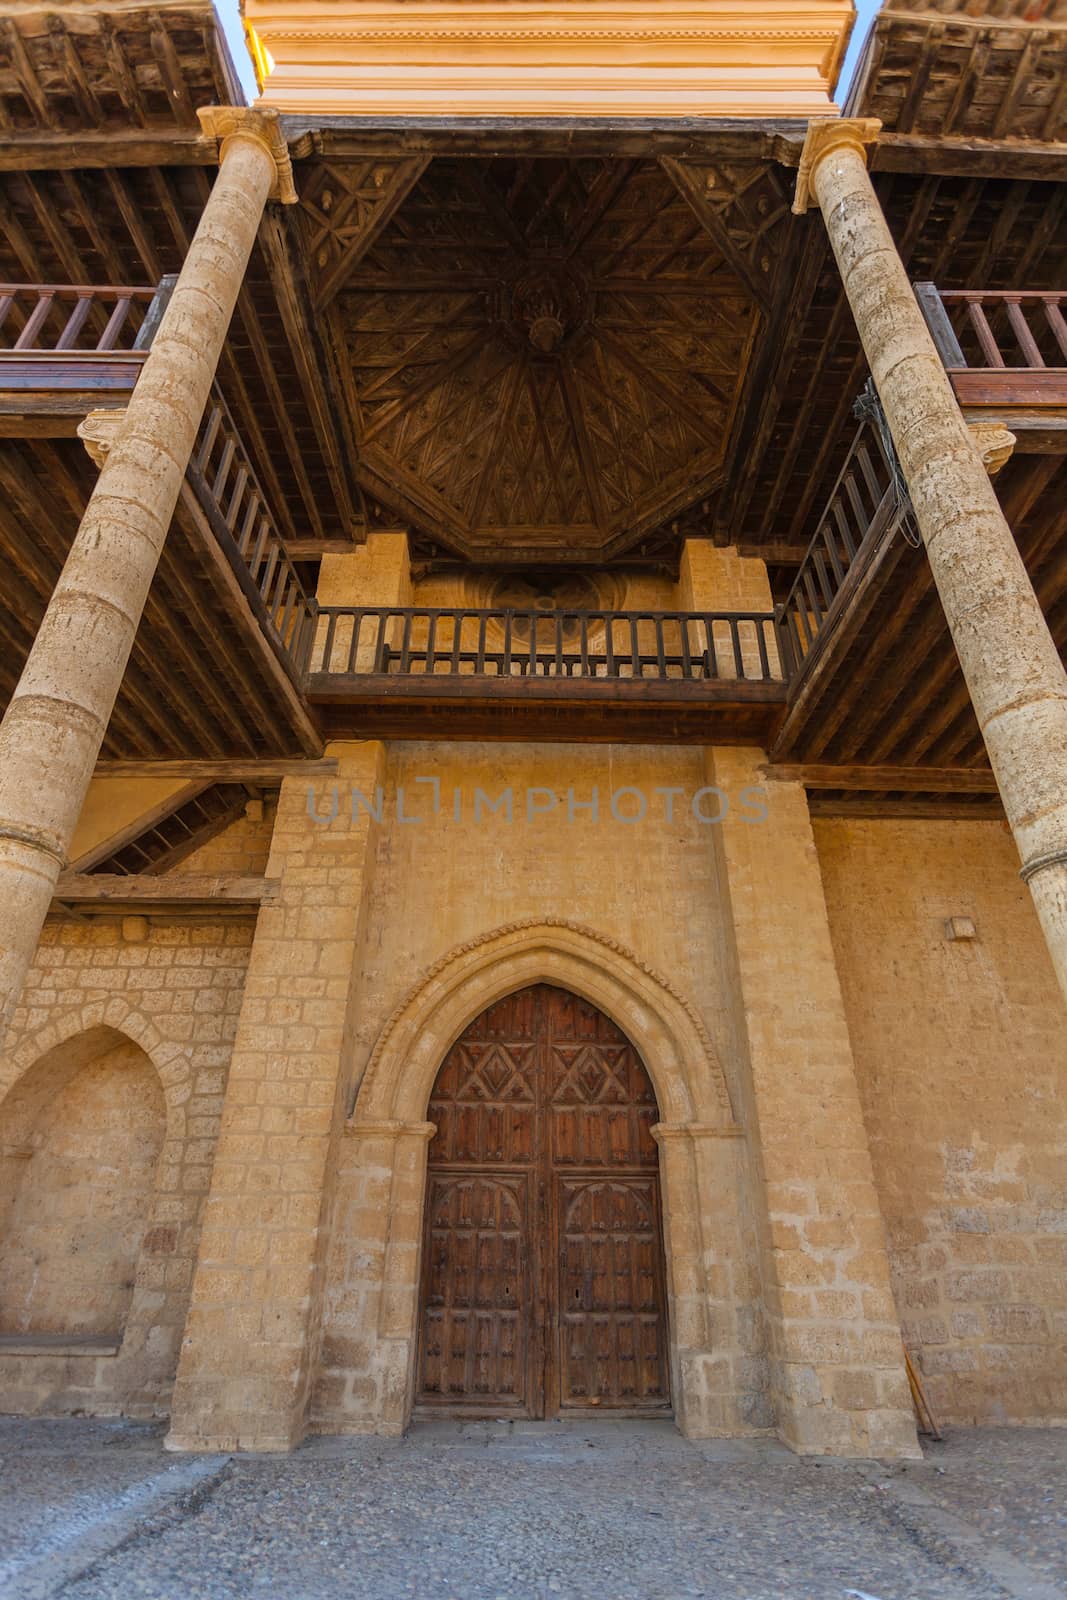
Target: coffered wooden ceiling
x=542, y=356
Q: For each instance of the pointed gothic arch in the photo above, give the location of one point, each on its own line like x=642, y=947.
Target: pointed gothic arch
x=373, y=1272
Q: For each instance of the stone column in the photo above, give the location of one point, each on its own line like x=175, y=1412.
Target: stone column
x=1010, y=662
x=55, y=724
x=250, y=1353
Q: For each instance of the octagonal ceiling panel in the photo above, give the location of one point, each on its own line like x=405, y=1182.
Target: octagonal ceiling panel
x=546, y=354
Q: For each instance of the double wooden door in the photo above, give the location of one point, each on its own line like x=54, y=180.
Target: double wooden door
x=543, y=1279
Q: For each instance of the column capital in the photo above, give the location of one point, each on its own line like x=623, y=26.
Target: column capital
x=98, y=431
x=261, y=125
x=389, y=1129
x=994, y=444
x=662, y=1132
x=825, y=135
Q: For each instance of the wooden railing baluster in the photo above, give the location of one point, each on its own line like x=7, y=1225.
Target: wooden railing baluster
x=75, y=322
x=1054, y=318
x=35, y=321
x=237, y=494
x=109, y=338
x=223, y=480
x=661, y=659
x=1021, y=329
x=990, y=348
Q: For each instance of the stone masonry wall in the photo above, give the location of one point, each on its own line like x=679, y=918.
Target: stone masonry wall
x=962, y=1065
x=176, y=995
x=440, y=882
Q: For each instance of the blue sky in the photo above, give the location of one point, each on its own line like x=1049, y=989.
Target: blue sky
x=231, y=21
x=865, y=10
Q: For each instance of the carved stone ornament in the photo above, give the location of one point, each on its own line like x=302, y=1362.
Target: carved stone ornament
x=994, y=444
x=229, y=122
x=98, y=431
x=825, y=135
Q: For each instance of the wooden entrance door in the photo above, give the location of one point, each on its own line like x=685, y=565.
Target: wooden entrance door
x=543, y=1277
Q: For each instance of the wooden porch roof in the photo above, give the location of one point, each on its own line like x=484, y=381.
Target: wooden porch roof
x=103, y=173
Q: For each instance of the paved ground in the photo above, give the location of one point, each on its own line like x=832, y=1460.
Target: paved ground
x=614, y=1511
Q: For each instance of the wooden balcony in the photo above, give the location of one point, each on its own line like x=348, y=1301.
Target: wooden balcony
x=223, y=494
x=1006, y=355
x=571, y=675
x=65, y=349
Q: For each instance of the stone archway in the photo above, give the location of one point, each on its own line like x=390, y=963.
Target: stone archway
x=81, y=1134
x=542, y=1288
x=371, y=1303
x=136, y=1374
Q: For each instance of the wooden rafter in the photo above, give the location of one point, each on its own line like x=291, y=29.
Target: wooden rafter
x=345, y=209
x=698, y=189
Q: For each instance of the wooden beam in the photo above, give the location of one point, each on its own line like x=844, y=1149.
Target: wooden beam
x=265, y=771
x=57, y=152
x=950, y=809
x=858, y=597
x=209, y=829
x=302, y=330
x=113, y=890
x=949, y=157
x=209, y=704
x=141, y=824
x=359, y=689
x=688, y=186
x=277, y=674
x=878, y=780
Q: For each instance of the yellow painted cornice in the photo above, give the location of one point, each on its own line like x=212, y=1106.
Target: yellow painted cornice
x=523, y=57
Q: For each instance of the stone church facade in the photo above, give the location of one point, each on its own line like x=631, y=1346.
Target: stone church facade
x=528, y=1003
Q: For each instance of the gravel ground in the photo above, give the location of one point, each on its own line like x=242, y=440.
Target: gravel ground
x=611, y=1511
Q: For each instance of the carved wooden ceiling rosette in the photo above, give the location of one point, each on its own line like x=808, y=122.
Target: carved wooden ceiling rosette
x=545, y=354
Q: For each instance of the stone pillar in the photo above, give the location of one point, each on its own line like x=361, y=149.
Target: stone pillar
x=251, y=1347
x=837, y=1379
x=377, y=573
x=716, y=1374
x=837, y=1363
x=713, y=577
x=55, y=724
x=1012, y=667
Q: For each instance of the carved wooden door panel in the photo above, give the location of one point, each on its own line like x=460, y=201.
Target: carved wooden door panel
x=543, y=1281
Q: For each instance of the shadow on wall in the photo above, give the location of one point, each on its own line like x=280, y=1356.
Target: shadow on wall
x=80, y=1138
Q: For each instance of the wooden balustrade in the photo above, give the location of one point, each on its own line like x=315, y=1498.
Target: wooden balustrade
x=862, y=514
x=67, y=348
x=57, y=337
x=409, y=641
x=223, y=481
x=1000, y=347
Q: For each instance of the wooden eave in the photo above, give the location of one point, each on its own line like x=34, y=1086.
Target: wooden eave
x=103, y=176
x=952, y=73
x=202, y=679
